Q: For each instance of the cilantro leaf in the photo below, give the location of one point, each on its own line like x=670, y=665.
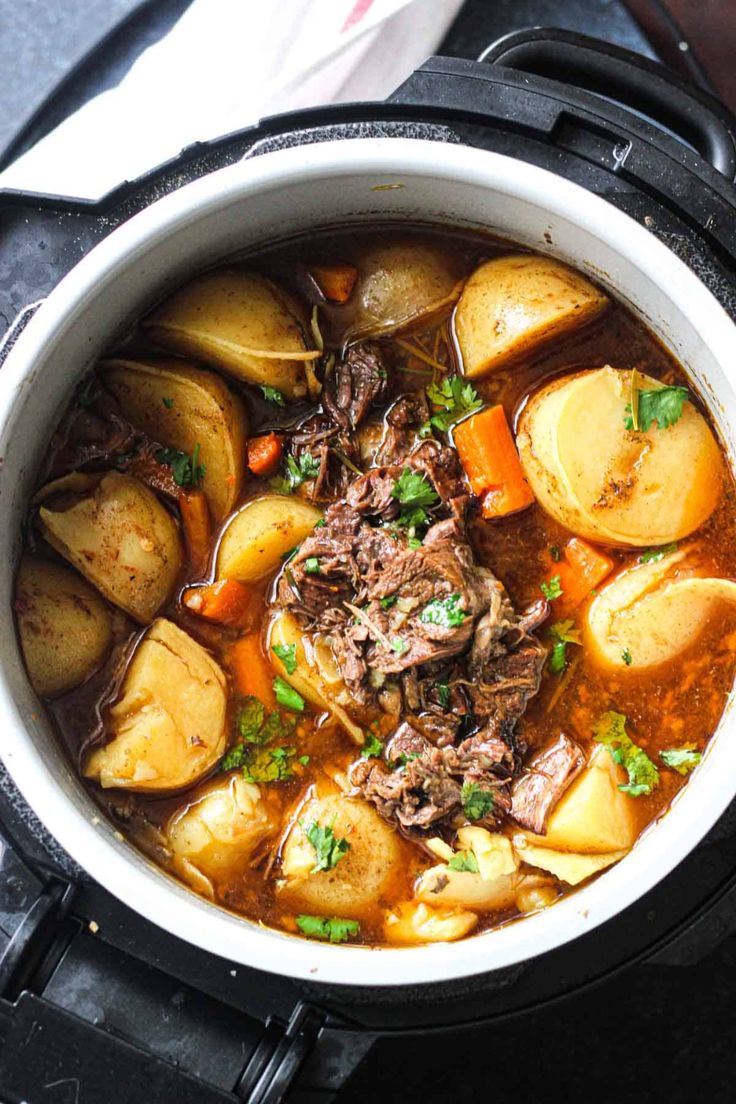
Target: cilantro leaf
x=455, y=397
x=399, y=646
x=287, y=654
x=387, y=603
x=311, y=565
x=297, y=472
x=328, y=848
x=443, y=693
x=250, y=720
x=627, y=657
x=654, y=555
x=186, y=470
x=168, y=403
x=562, y=633
x=464, y=861
x=444, y=612
x=610, y=730
x=270, y=394
x=477, y=803
x=414, y=492
x=332, y=929
x=551, y=588
x=662, y=405
x=682, y=759
x=235, y=758
x=372, y=747
x=269, y=764
x=287, y=696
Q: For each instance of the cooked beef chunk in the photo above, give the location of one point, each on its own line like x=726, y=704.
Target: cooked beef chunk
x=356, y=383
x=373, y=493
x=544, y=781
x=329, y=445
x=500, y=689
x=403, y=421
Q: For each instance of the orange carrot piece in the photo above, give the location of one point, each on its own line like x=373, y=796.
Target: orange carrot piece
x=195, y=518
x=227, y=601
x=253, y=673
x=335, y=281
x=580, y=570
x=488, y=454
x=264, y=453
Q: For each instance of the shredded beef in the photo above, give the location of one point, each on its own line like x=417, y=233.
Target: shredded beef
x=544, y=781
x=356, y=383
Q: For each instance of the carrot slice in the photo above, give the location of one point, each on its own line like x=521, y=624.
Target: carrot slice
x=227, y=601
x=264, y=453
x=336, y=281
x=253, y=673
x=195, y=518
x=580, y=570
x=488, y=454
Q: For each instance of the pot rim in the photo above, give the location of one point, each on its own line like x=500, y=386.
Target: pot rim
x=132, y=878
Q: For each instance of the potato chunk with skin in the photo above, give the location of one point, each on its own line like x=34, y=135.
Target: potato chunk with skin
x=416, y=922
x=360, y=876
x=651, y=615
x=511, y=305
x=213, y=838
x=240, y=322
x=65, y=628
x=611, y=484
x=121, y=538
x=168, y=725
x=257, y=537
x=565, y=865
x=176, y=403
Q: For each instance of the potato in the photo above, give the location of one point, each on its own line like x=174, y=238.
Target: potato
x=566, y=866
x=317, y=681
x=257, y=537
x=403, y=284
x=121, y=538
x=492, y=850
x=511, y=305
x=416, y=922
x=65, y=628
x=593, y=816
x=442, y=887
x=181, y=406
x=652, y=615
x=360, y=876
x=213, y=838
x=610, y=484
x=168, y=725
x=240, y=322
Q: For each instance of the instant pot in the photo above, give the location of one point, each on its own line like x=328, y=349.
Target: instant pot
x=551, y=140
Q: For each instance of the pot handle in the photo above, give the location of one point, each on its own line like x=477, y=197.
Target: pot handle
x=645, y=87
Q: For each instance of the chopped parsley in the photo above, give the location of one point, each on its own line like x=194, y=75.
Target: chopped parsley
x=414, y=543
x=297, y=472
x=236, y=758
x=610, y=730
x=399, y=646
x=287, y=654
x=168, y=403
x=662, y=405
x=403, y=759
x=455, y=397
x=551, y=588
x=320, y=524
x=682, y=759
x=332, y=929
x=443, y=693
x=328, y=848
x=391, y=600
x=270, y=394
x=562, y=634
x=443, y=611
x=270, y=764
x=627, y=657
x=311, y=565
x=186, y=470
x=372, y=747
x=477, y=803
x=414, y=492
x=251, y=718
x=464, y=861
x=259, y=763
x=287, y=696
x=654, y=555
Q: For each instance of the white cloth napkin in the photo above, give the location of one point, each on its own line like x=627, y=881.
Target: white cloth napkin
x=223, y=66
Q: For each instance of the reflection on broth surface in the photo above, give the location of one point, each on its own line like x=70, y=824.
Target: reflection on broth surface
x=380, y=584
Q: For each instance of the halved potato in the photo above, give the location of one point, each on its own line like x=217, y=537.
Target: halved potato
x=593, y=816
x=168, y=725
x=416, y=922
x=65, y=628
x=651, y=614
x=181, y=406
x=256, y=539
x=120, y=537
x=511, y=305
x=213, y=838
x=240, y=322
x=316, y=676
x=403, y=284
x=611, y=484
x=493, y=852
x=566, y=866
x=360, y=876
x=442, y=887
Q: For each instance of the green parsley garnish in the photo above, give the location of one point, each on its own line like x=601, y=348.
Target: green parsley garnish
x=399, y=646
x=168, y=403
x=297, y=472
x=562, y=634
x=610, y=730
x=332, y=929
x=464, y=861
x=328, y=848
x=387, y=603
x=258, y=763
x=681, y=759
x=455, y=397
x=662, y=405
x=311, y=565
x=269, y=765
x=654, y=555
x=186, y=470
x=236, y=758
x=443, y=611
x=372, y=747
x=551, y=588
x=627, y=657
x=477, y=803
x=287, y=654
x=414, y=492
x=251, y=717
x=443, y=693
x=320, y=524
x=414, y=543
x=287, y=696
x=270, y=394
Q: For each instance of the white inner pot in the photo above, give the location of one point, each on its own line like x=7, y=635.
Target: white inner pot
x=253, y=203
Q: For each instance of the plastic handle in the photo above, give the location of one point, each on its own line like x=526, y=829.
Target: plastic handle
x=634, y=81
